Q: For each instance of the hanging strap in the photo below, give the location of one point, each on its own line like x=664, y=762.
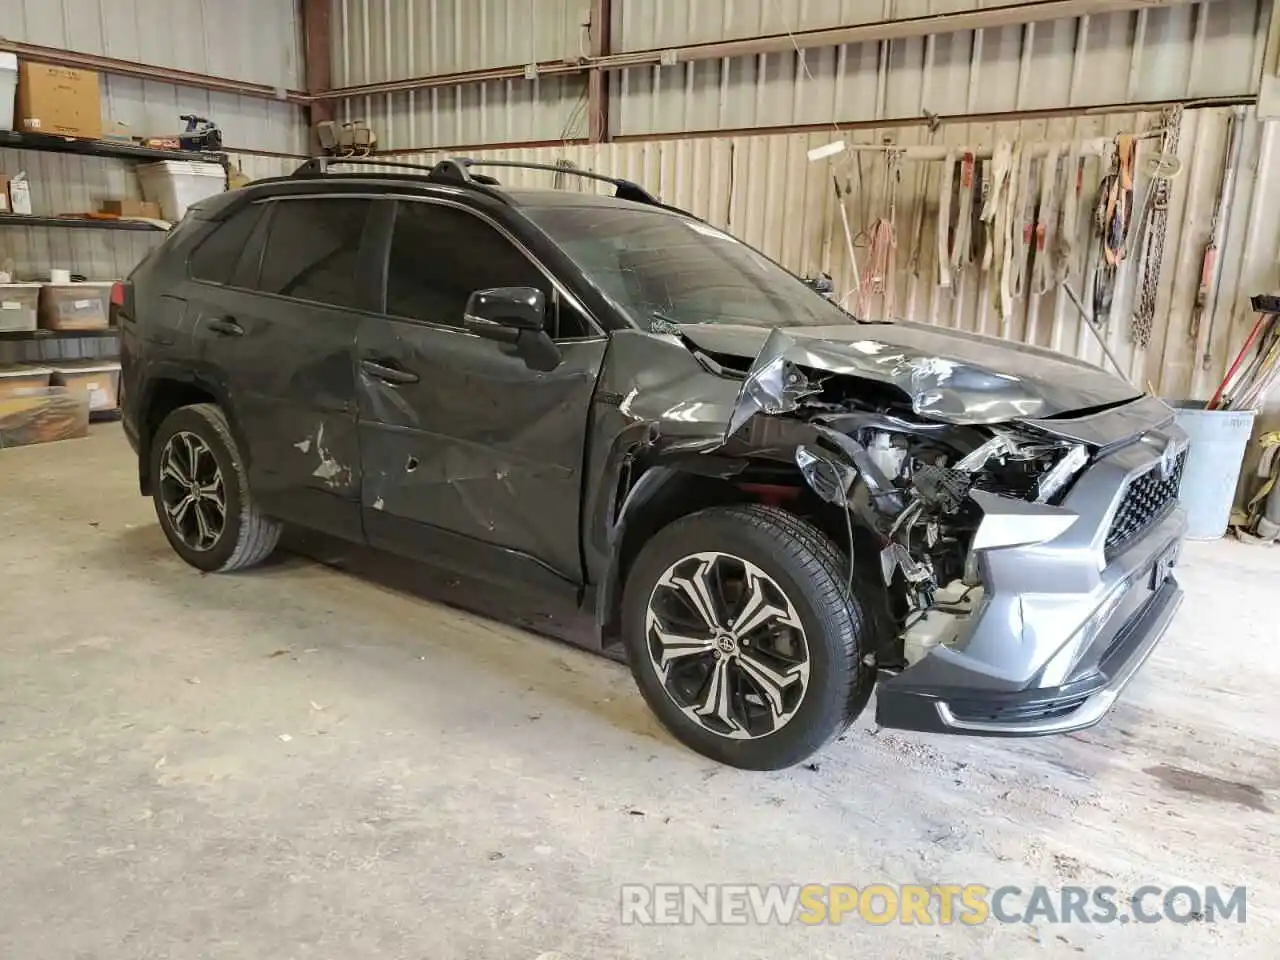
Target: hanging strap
x=1021, y=226
x=1119, y=204
x=993, y=207
x=961, y=248
x=1047, y=224
x=1004, y=240
x=1069, y=216
x=944, y=218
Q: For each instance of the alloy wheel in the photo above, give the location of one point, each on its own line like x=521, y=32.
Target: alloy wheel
x=192, y=491
x=728, y=645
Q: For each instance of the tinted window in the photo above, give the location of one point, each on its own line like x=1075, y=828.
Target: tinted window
x=441, y=255
x=660, y=268
x=313, y=249
x=216, y=258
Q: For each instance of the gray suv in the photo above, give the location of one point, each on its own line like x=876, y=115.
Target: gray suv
x=773, y=506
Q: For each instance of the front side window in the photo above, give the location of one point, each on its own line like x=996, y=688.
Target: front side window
x=313, y=250
x=661, y=269
x=440, y=255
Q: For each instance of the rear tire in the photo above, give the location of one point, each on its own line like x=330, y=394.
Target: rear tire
x=774, y=671
x=201, y=493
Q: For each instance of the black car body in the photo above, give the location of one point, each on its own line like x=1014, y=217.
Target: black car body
x=535, y=386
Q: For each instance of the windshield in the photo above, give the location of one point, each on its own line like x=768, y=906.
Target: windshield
x=661, y=269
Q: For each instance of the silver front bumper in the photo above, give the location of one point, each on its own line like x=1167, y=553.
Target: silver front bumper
x=1064, y=623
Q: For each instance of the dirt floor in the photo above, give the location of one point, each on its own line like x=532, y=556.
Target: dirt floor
x=296, y=762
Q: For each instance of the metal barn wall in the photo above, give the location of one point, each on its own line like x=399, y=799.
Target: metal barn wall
x=1198, y=50
x=1201, y=50
x=376, y=40
x=255, y=40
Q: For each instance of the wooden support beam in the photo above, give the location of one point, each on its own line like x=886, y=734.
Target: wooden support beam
x=317, y=58
x=598, y=80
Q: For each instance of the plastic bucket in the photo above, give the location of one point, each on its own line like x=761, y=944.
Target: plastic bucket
x=1219, y=439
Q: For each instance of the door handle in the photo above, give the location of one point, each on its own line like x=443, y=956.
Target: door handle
x=227, y=327
x=389, y=374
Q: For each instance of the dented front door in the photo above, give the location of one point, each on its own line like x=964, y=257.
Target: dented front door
x=468, y=455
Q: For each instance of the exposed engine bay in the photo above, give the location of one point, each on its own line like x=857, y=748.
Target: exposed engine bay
x=912, y=484
x=916, y=481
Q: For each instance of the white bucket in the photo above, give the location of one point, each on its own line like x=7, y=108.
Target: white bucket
x=1219, y=439
x=8, y=88
x=177, y=184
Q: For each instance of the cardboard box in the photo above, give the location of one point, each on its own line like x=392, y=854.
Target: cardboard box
x=96, y=380
x=4, y=194
x=75, y=306
x=132, y=208
x=59, y=100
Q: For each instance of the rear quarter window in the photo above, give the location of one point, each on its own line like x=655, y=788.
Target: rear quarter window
x=217, y=256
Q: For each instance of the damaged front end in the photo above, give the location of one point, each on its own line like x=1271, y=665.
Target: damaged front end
x=1011, y=516
x=932, y=492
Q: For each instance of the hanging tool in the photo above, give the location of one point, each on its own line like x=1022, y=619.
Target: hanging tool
x=1152, y=237
x=848, y=238
x=1264, y=320
x=1112, y=215
x=1249, y=390
x=1210, y=269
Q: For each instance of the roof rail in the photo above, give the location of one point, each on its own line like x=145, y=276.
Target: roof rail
x=320, y=165
x=458, y=170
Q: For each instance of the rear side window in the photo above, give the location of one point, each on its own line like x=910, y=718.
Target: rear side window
x=313, y=249
x=216, y=258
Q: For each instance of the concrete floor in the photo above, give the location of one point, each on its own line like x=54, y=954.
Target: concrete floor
x=297, y=763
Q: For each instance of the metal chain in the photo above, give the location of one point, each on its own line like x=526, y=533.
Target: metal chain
x=1153, y=240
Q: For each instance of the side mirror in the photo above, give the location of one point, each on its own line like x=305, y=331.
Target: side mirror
x=516, y=316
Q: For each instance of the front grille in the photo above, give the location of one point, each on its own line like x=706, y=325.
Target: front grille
x=1146, y=499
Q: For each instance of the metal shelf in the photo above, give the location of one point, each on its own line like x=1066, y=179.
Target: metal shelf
x=76, y=223
x=49, y=143
x=58, y=334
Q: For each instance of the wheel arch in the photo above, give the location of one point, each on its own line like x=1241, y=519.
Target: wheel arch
x=663, y=493
x=170, y=389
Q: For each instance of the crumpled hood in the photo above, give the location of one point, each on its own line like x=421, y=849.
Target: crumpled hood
x=946, y=375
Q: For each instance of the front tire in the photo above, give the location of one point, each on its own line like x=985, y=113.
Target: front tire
x=201, y=493
x=743, y=635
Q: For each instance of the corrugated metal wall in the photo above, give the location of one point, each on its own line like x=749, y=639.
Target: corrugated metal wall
x=765, y=190
x=1211, y=49
x=63, y=183
x=255, y=40
x=1208, y=49
x=377, y=40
